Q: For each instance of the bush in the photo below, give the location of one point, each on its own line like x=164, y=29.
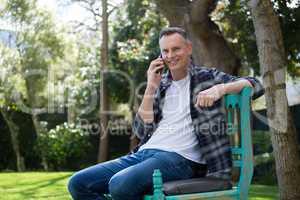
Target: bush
x=65, y=147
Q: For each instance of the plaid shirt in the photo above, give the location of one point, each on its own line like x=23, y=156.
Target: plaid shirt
x=208, y=123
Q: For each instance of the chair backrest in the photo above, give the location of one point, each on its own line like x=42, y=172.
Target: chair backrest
x=238, y=122
x=238, y=126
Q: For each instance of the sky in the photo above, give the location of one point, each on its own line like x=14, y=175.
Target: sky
x=294, y=3
x=62, y=13
x=65, y=13
x=71, y=12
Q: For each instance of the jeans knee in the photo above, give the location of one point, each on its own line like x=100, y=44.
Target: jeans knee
x=114, y=187
x=74, y=185
x=118, y=188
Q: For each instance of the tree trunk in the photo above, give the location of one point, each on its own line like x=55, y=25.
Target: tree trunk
x=39, y=130
x=210, y=48
x=14, y=133
x=273, y=64
x=34, y=103
x=133, y=139
x=71, y=114
x=104, y=136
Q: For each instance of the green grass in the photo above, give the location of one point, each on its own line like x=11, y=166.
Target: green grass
x=52, y=185
x=34, y=186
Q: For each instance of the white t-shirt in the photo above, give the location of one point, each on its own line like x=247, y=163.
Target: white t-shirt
x=175, y=131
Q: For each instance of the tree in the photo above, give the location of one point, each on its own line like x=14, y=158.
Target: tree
x=82, y=80
x=104, y=136
x=273, y=61
x=209, y=46
x=234, y=19
x=99, y=18
x=9, y=62
x=38, y=45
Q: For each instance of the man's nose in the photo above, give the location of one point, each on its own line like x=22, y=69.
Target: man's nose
x=170, y=54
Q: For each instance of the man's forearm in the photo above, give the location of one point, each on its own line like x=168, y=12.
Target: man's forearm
x=146, y=107
x=235, y=87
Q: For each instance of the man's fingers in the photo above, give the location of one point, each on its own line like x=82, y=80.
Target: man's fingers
x=207, y=102
x=204, y=100
x=211, y=102
x=157, y=68
x=156, y=63
x=200, y=101
x=197, y=104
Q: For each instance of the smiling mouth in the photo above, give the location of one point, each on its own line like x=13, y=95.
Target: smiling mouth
x=172, y=63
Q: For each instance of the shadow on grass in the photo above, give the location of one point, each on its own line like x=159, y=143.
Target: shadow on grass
x=35, y=188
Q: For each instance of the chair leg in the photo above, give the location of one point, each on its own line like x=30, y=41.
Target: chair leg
x=158, y=185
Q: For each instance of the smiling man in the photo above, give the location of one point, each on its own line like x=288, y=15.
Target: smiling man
x=180, y=124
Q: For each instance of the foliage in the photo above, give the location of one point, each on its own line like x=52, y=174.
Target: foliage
x=47, y=68
x=50, y=66
x=264, y=160
x=235, y=20
x=135, y=44
x=290, y=25
x=38, y=44
x=262, y=142
x=82, y=81
x=64, y=147
x=10, y=82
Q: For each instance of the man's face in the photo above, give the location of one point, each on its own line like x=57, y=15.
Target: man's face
x=176, y=51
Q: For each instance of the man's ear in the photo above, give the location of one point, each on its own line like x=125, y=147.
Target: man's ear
x=190, y=47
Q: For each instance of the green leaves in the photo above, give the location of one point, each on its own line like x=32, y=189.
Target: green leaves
x=236, y=22
x=38, y=44
x=19, y=10
x=135, y=44
x=64, y=143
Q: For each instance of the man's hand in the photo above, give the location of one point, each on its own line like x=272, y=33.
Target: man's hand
x=153, y=75
x=153, y=80
x=207, y=97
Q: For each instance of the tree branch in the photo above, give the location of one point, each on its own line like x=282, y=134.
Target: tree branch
x=200, y=11
x=174, y=10
x=91, y=9
x=78, y=25
x=110, y=11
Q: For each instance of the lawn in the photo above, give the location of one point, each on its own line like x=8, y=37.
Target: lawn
x=50, y=186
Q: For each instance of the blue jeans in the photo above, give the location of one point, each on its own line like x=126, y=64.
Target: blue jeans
x=128, y=177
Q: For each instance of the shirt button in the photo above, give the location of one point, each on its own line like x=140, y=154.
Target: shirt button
x=149, y=135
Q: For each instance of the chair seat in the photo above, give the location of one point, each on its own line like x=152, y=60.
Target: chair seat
x=196, y=185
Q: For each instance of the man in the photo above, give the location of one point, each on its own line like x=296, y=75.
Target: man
x=180, y=124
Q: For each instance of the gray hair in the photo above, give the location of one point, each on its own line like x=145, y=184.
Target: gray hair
x=172, y=30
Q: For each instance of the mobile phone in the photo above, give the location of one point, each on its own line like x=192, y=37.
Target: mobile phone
x=162, y=69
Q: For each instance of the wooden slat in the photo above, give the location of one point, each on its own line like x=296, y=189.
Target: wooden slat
x=237, y=163
x=236, y=150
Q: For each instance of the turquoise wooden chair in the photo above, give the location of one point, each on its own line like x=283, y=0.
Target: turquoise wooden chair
x=238, y=126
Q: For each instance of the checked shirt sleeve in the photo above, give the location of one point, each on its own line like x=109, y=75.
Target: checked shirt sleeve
x=140, y=128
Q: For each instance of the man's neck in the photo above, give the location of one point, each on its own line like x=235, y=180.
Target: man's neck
x=179, y=74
